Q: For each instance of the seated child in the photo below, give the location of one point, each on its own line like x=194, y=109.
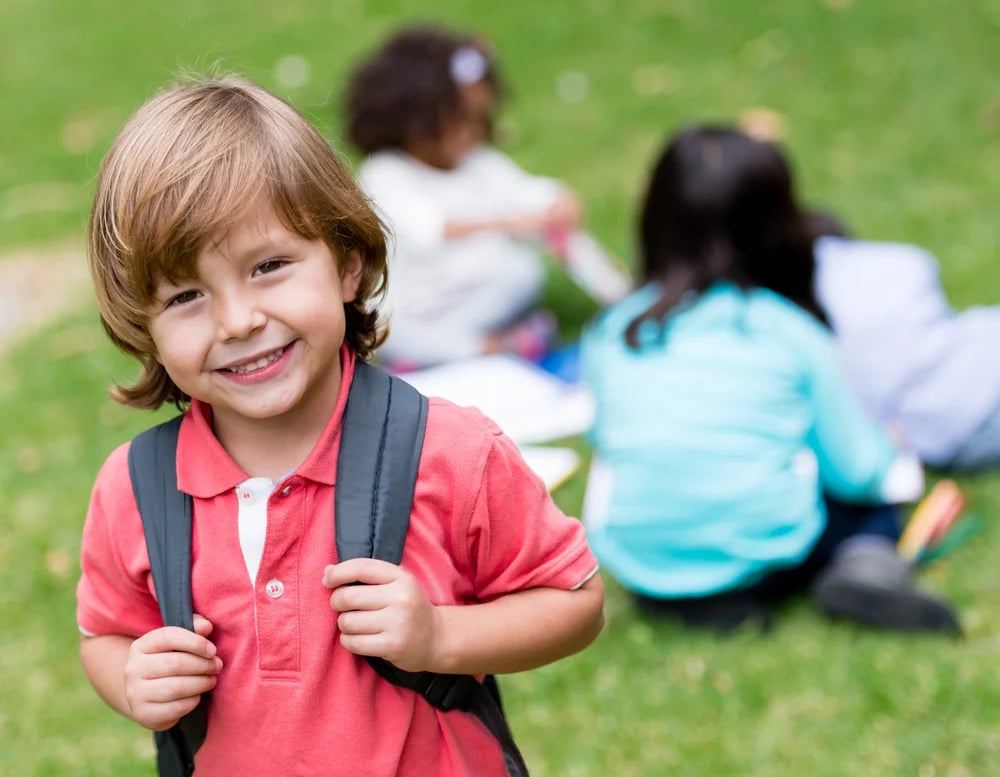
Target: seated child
x=467, y=223
x=919, y=366
x=733, y=464
x=235, y=258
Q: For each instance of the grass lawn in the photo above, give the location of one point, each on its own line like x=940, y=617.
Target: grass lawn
x=892, y=115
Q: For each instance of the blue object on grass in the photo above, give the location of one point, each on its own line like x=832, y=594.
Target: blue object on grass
x=563, y=362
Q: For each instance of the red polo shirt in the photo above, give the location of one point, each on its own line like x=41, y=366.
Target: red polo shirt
x=290, y=700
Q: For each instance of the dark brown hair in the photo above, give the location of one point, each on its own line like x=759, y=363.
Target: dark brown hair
x=721, y=205
x=405, y=91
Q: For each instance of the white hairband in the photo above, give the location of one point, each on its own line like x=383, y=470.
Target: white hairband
x=468, y=66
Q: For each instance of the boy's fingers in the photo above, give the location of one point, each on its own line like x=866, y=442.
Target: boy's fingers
x=358, y=597
x=360, y=570
x=169, y=702
x=174, y=638
x=363, y=644
x=359, y=622
x=174, y=689
x=175, y=664
x=202, y=625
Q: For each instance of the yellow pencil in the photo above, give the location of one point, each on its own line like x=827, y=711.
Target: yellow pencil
x=931, y=519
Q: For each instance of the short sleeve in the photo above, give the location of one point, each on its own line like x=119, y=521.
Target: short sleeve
x=113, y=593
x=517, y=537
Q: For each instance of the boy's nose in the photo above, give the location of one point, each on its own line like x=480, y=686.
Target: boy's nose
x=238, y=316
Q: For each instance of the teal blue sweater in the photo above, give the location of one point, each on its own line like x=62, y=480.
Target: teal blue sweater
x=720, y=439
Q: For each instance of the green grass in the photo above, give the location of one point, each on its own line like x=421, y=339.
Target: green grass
x=893, y=118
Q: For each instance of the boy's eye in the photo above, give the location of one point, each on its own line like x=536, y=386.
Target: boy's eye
x=180, y=299
x=268, y=265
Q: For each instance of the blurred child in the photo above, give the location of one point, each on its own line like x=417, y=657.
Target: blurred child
x=733, y=464
x=235, y=258
x=467, y=224
x=928, y=372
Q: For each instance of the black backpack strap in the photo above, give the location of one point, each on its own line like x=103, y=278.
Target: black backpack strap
x=374, y=492
x=166, y=522
x=373, y=500
x=166, y=519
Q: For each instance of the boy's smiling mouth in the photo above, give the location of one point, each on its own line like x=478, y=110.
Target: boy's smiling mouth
x=256, y=364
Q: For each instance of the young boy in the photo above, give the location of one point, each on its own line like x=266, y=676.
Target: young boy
x=235, y=258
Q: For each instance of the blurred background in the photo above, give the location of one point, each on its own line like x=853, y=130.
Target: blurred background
x=891, y=114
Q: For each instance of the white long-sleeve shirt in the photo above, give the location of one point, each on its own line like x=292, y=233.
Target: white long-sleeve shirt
x=445, y=295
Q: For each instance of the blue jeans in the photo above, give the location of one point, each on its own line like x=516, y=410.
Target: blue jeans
x=843, y=520
x=730, y=609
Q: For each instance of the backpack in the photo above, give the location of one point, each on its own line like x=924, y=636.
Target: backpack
x=376, y=480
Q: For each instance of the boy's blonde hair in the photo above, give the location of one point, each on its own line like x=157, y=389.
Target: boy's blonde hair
x=187, y=166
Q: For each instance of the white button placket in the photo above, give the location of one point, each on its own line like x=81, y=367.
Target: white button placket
x=252, y=496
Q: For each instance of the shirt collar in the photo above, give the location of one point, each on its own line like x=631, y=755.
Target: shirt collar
x=205, y=469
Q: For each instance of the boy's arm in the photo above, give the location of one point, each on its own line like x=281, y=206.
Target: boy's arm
x=103, y=660
x=519, y=631
x=156, y=679
x=390, y=617
x=530, y=592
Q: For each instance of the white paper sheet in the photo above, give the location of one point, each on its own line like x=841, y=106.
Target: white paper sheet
x=528, y=403
x=554, y=465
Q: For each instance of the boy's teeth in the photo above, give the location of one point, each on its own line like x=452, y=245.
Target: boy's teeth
x=261, y=362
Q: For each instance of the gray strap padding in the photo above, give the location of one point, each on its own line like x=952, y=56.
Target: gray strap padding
x=166, y=522
x=166, y=519
x=376, y=472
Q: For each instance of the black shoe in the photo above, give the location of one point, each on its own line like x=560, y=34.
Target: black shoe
x=870, y=584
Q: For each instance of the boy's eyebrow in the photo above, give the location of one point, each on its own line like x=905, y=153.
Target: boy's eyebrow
x=179, y=277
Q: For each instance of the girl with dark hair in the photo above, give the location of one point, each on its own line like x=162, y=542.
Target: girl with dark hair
x=733, y=464
x=469, y=226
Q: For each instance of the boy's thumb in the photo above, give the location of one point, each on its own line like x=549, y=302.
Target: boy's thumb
x=202, y=625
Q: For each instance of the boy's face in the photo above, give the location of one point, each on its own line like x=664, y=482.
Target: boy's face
x=257, y=333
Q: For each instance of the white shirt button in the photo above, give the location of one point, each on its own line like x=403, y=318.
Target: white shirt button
x=246, y=496
x=274, y=588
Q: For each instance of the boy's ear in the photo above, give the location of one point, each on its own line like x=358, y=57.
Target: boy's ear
x=351, y=268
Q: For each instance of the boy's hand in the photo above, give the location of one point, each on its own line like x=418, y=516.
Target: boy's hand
x=389, y=617
x=167, y=671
